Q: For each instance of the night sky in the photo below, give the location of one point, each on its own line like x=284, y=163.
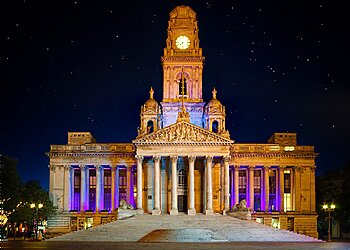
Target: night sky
x=278, y=66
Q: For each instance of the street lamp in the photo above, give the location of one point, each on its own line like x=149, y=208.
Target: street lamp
x=329, y=208
x=36, y=207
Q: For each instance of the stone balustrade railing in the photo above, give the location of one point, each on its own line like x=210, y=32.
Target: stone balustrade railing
x=269, y=148
x=100, y=147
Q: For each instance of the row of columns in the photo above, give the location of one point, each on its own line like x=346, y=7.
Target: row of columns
x=84, y=187
x=84, y=202
x=264, y=187
x=174, y=178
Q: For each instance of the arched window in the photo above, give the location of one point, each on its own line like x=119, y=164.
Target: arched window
x=150, y=127
x=185, y=86
x=182, y=179
x=215, y=126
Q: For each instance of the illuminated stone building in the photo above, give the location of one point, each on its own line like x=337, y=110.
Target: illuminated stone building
x=183, y=159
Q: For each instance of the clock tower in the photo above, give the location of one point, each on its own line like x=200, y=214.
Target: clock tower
x=182, y=59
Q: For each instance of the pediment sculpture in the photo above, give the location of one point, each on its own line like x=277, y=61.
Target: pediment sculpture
x=183, y=132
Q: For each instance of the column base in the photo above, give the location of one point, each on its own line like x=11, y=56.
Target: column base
x=156, y=212
x=224, y=212
x=209, y=212
x=191, y=211
x=174, y=212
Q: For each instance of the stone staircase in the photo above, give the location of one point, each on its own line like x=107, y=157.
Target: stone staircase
x=184, y=228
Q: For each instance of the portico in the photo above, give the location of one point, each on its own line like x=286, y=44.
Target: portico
x=174, y=142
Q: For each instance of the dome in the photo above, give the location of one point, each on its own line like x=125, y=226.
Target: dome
x=151, y=104
x=214, y=105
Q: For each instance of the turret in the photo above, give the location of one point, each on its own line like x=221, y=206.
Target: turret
x=149, y=116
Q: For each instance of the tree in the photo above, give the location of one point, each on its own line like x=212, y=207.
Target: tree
x=334, y=187
x=10, y=184
x=17, y=196
x=34, y=193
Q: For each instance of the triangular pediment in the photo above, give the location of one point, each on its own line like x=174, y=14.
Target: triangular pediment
x=182, y=132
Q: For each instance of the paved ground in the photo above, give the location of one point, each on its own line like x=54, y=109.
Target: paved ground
x=169, y=246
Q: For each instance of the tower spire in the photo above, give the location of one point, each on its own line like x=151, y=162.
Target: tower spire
x=151, y=92
x=214, y=93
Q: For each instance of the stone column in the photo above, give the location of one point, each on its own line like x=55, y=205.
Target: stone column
x=116, y=186
x=174, y=209
x=281, y=188
x=83, y=192
x=232, y=189
x=236, y=187
x=67, y=188
x=156, y=210
x=191, y=210
x=52, y=183
x=129, y=184
x=209, y=161
x=251, y=187
x=266, y=187
x=139, y=182
x=297, y=189
x=98, y=188
x=227, y=183
x=113, y=188
x=313, y=191
x=72, y=179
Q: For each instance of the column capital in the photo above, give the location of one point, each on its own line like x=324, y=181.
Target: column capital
x=113, y=167
x=156, y=158
x=83, y=167
x=282, y=167
x=67, y=167
x=173, y=158
x=191, y=158
x=312, y=168
x=251, y=167
x=266, y=167
x=209, y=158
x=52, y=168
x=139, y=157
x=236, y=167
x=98, y=167
x=226, y=159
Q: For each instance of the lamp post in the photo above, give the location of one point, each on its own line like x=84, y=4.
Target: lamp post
x=329, y=208
x=36, y=207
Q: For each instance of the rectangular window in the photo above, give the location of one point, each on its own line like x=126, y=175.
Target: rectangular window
x=89, y=222
x=92, y=189
x=272, y=190
x=122, y=184
x=107, y=189
x=287, y=182
x=290, y=223
x=287, y=191
x=257, y=181
x=287, y=202
x=275, y=222
x=257, y=190
x=242, y=184
x=76, y=198
x=260, y=220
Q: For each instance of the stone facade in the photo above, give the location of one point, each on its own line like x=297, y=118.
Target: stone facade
x=183, y=159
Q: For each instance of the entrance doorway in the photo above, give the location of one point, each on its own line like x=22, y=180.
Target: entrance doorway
x=182, y=191
x=182, y=203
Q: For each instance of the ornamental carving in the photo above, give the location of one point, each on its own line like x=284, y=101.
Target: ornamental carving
x=183, y=132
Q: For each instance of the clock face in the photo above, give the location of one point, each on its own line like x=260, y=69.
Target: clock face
x=182, y=42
